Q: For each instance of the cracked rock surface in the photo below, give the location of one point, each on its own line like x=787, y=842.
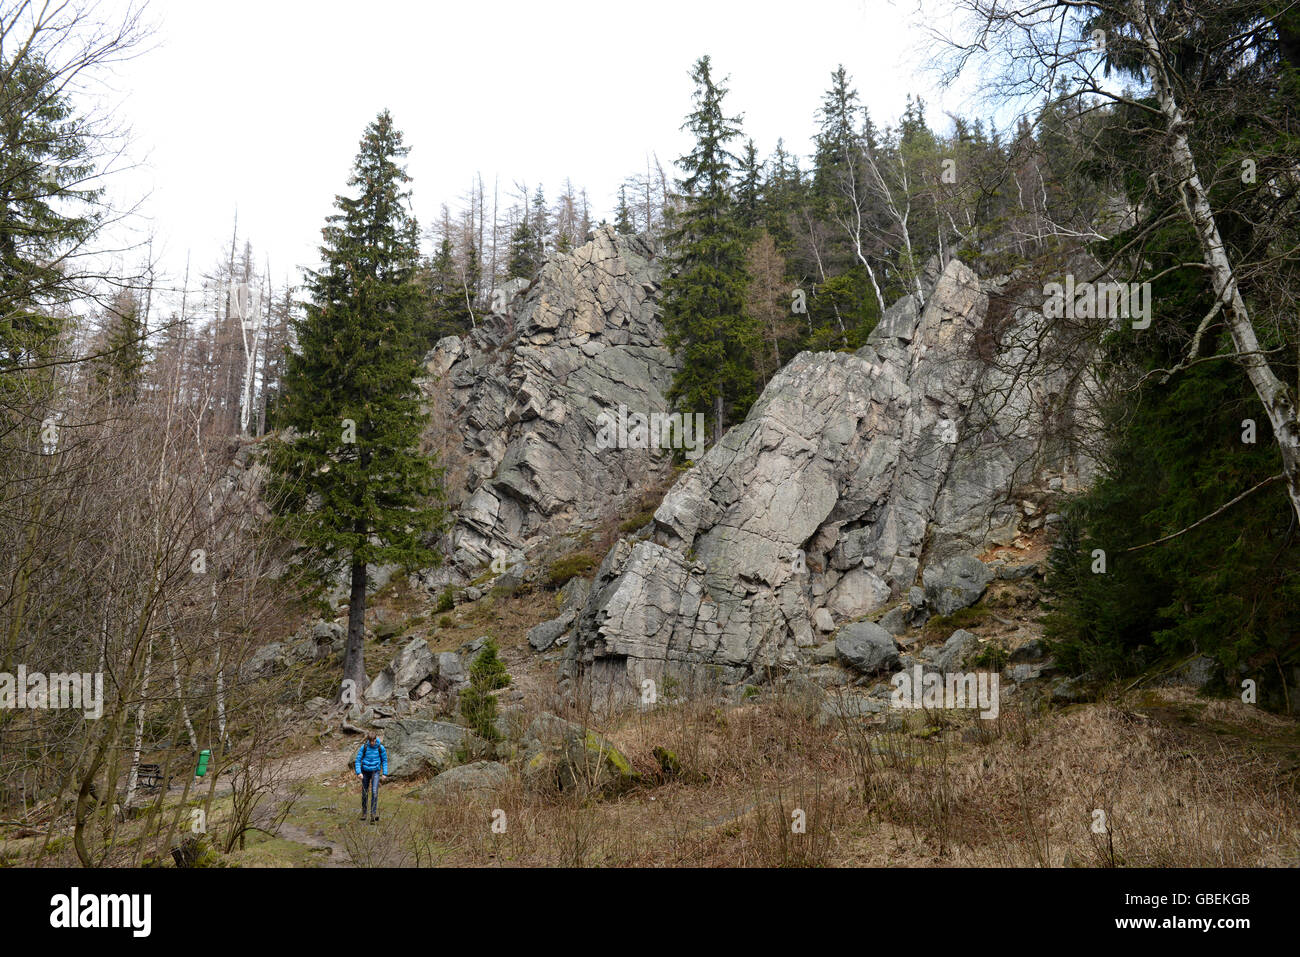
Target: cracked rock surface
x=525, y=390
x=849, y=473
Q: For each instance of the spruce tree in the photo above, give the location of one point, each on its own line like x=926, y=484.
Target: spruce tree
x=522, y=263
x=704, y=293
x=783, y=196
x=351, y=483
x=478, y=706
x=120, y=361
x=836, y=142
x=446, y=311
x=539, y=223
x=623, y=215
x=49, y=209
x=843, y=307
x=748, y=191
x=48, y=206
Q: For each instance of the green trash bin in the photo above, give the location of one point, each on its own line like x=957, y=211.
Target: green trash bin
x=204, y=756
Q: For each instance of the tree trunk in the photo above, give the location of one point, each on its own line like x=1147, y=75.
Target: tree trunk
x=1278, y=402
x=180, y=694
x=137, y=742
x=354, y=661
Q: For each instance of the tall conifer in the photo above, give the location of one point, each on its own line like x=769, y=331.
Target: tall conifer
x=704, y=293
x=352, y=482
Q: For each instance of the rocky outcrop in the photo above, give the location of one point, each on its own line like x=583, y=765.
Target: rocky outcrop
x=820, y=507
x=524, y=392
x=315, y=641
x=413, y=668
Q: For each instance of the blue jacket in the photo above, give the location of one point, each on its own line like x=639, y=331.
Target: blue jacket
x=372, y=758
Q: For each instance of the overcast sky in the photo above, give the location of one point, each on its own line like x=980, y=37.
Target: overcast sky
x=258, y=105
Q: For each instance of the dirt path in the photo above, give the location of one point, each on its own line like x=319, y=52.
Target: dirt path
x=335, y=854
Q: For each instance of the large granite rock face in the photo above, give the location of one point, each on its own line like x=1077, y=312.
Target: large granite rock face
x=823, y=500
x=526, y=390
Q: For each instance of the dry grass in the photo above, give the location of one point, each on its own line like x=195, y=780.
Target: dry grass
x=1182, y=782
x=1019, y=791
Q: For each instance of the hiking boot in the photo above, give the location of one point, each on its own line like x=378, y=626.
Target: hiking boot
x=374, y=819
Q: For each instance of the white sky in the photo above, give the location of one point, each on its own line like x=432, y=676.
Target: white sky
x=258, y=105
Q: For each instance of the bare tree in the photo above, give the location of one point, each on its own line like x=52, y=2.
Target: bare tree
x=1049, y=52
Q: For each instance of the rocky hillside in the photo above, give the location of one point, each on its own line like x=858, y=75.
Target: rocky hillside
x=524, y=393
x=855, y=482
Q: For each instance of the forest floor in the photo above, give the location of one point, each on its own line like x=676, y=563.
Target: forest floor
x=1144, y=777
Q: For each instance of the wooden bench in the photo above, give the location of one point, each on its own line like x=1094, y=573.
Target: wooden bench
x=150, y=776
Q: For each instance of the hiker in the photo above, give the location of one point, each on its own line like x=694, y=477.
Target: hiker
x=372, y=766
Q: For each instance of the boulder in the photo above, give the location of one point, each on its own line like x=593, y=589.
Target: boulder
x=851, y=707
x=955, y=584
x=562, y=755
x=418, y=745
x=955, y=652
x=511, y=724
x=543, y=636
x=1198, y=673
x=804, y=694
x=1015, y=573
x=266, y=661
x=824, y=654
x=1074, y=690
x=450, y=671
x=866, y=647
x=330, y=638
x=481, y=778
x=1031, y=650
x=573, y=594
x=895, y=620
x=412, y=666
x=1020, y=673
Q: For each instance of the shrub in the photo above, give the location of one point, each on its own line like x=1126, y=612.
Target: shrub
x=994, y=657
x=562, y=569
x=637, y=521
x=488, y=671
x=447, y=600
x=478, y=707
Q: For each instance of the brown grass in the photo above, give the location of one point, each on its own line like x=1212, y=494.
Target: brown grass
x=945, y=790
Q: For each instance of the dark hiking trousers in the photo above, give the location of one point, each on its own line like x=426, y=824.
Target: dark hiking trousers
x=370, y=787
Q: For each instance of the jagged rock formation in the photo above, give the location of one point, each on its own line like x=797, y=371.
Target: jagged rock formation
x=526, y=388
x=821, y=506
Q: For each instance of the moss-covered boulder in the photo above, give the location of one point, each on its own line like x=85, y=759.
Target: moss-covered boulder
x=563, y=755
